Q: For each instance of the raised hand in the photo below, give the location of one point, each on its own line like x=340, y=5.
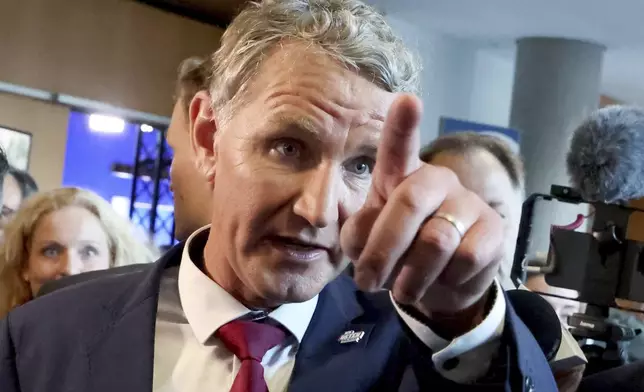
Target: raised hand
x=435, y=244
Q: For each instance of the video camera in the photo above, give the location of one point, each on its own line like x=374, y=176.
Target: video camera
x=602, y=261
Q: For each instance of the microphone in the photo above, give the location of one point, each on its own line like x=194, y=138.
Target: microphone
x=557, y=344
x=606, y=157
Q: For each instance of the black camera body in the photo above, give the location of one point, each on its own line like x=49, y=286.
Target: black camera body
x=600, y=263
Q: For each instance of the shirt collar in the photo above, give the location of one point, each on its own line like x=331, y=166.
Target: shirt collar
x=207, y=306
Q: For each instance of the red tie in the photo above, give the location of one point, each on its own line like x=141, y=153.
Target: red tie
x=250, y=341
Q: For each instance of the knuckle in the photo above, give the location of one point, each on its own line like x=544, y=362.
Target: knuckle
x=471, y=258
x=494, y=221
x=472, y=197
x=409, y=288
x=410, y=195
x=445, y=176
x=450, y=177
x=353, y=250
x=407, y=295
x=474, y=201
x=441, y=240
x=376, y=263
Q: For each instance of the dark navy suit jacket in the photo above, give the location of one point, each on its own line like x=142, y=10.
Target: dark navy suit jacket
x=98, y=336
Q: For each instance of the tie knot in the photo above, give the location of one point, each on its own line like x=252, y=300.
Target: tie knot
x=249, y=339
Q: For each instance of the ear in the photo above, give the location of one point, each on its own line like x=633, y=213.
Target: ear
x=202, y=134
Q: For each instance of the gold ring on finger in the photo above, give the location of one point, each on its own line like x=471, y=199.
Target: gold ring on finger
x=460, y=227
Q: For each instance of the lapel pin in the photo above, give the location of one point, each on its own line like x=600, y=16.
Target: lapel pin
x=351, y=337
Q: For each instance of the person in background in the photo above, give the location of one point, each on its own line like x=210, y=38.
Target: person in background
x=17, y=185
x=191, y=191
x=62, y=232
x=309, y=141
x=487, y=166
x=191, y=200
x=26, y=182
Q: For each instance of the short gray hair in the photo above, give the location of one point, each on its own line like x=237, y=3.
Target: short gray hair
x=466, y=141
x=348, y=30
x=193, y=76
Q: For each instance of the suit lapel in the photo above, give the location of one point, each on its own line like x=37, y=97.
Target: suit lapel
x=335, y=329
x=337, y=307
x=120, y=343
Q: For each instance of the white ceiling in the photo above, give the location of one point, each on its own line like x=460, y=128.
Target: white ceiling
x=617, y=24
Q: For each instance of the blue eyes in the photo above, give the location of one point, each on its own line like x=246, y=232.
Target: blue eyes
x=88, y=252
x=50, y=252
x=361, y=166
x=288, y=148
x=54, y=251
x=292, y=149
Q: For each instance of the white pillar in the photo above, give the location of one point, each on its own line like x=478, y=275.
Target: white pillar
x=447, y=77
x=556, y=85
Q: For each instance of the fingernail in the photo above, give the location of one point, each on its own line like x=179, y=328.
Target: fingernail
x=404, y=297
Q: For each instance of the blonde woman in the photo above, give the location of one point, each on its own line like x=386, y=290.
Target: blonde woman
x=63, y=232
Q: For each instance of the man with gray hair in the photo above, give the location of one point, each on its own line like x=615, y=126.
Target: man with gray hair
x=308, y=139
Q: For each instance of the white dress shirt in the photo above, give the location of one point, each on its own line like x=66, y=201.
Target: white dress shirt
x=189, y=358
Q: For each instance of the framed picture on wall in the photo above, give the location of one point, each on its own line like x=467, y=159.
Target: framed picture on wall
x=452, y=125
x=17, y=145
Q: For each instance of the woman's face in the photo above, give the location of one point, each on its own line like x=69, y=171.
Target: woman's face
x=65, y=242
x=480, y=172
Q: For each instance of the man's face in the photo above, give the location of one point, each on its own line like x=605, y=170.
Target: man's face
x=192, y=192
x=290, y=165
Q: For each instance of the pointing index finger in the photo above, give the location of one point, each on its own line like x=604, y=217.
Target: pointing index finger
x=398, y=151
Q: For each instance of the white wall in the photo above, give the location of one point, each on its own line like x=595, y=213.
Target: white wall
x=112, y=51
x=492, y=88
x=459, y=79
x=47, y=124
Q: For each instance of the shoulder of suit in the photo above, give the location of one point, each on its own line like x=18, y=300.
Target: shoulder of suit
x=74, y=300
x=93, y=277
